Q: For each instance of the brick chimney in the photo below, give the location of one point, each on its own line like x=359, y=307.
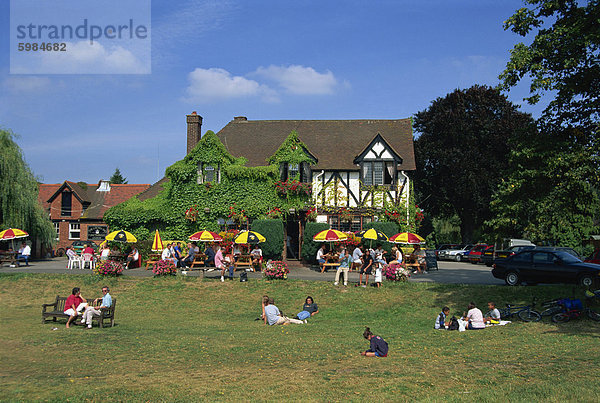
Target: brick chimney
x=194, y=130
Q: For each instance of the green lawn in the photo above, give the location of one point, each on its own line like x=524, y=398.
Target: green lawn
x=191, y=339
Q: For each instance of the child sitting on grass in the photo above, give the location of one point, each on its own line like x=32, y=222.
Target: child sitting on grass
x=442, y=320
x=493, y=316
x=378, y=347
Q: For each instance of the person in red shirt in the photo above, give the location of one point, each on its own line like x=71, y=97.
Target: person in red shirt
x=74, y=304
x=88, y=249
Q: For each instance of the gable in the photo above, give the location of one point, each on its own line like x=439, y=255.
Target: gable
x=378, y=149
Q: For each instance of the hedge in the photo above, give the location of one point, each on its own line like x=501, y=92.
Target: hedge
x=310, y=247
x=387, y=227
x=272, y=229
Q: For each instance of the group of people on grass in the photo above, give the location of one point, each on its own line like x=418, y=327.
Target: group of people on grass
x=271, y=315
x=367, y=261
x=472, y=319
x=76, y=305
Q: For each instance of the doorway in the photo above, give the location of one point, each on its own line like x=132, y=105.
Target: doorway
x=292, y=232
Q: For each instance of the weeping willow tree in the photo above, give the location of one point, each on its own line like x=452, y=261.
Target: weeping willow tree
x=19, y=206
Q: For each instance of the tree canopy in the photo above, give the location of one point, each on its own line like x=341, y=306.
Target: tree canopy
x=462, y=152
x=117, y=178
x=19, y=207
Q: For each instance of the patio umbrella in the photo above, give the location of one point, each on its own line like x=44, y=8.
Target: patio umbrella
x=330, y=235
x=157, y=244
x=407, y=238
x=11, y=234
x=249, y=237
x=121, y=236
x=206, y=236
x=373, y=235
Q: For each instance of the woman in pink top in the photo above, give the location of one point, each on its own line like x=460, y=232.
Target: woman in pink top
x=474, y=317
x=219, y=261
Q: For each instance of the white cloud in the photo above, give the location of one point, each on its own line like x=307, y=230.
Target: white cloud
x=21, y=84
x=300, y=80
x=83, y=58
x=207, y=85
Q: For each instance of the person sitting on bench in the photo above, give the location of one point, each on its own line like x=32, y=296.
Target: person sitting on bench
x=24, y=254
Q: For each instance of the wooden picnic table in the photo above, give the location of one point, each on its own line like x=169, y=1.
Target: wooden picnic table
x=8, y=257
x=331, y=260
x=152, y=259
x=243, y=261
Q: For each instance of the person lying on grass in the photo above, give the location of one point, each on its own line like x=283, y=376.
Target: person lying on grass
x=308, y=309
x=493, y=316
x=74, y=304
x=378, y=347
x=274, y=317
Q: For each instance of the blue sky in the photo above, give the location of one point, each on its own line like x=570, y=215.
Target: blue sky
x=264, y=59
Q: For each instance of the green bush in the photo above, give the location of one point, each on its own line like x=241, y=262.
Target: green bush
x=272, y=229
x=387, y=227
x=310, y=247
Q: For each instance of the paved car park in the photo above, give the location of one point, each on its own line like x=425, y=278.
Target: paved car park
x=448, y=273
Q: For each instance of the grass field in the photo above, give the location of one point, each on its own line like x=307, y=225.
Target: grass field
x=182, y=339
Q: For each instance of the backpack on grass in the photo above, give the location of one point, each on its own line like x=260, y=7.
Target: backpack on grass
x=453, y=324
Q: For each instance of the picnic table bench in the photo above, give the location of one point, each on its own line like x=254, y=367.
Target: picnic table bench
x=198, y=262
x=153, y=258
x=56, y=310
x=8, y=257
x=330, y=261
x=243, y=261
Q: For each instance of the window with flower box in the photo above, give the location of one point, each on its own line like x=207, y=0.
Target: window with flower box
x=355, y=224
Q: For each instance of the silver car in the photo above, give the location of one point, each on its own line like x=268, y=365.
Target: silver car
x=457, y=254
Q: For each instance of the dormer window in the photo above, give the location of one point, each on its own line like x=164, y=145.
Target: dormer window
x=209, y=173
x=300, y=172
x=378, y=173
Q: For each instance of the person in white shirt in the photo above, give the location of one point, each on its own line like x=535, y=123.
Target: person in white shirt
x=24, y=254
x=166, y=253
x=320, y=257
x=474, y=318
x=357, y=257
x=397, y=253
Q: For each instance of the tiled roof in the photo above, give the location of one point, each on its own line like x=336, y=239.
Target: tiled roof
x=153, y=190
x=335, y=143
x=98, y=202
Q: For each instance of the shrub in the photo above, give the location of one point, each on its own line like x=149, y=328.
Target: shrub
x=272, y=229
x=310, y=247
x=109, y=268
x=276, y=270
x=164, y=268
x=388, y=228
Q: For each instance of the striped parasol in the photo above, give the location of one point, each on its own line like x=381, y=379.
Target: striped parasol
x=157, y=243
x=121, y=236
x=373, y=234
x=248, y=237
x=330, y=235
x=12, y=233
x=206, y=236
x=407, y=238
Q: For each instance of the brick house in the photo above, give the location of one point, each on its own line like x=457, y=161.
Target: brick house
x=77, y=209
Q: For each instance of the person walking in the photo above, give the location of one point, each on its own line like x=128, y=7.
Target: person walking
x=344, y=259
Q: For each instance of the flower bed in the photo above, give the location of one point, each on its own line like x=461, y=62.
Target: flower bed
x=396, y=272
x=164, y=268
x=109, y=268
x=276, y=270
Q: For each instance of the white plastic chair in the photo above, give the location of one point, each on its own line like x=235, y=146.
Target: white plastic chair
x=88, y=259
x=74, y=261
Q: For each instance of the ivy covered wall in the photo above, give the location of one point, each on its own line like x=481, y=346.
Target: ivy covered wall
x=252, y=189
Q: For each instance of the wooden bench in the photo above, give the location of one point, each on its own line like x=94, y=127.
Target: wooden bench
x=152, y=259
x=58, y=307
x=198, y=261
x=10, y=258
x=244, y=261
x=328, y=265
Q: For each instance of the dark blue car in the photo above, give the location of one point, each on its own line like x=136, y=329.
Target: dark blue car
x=545, y=266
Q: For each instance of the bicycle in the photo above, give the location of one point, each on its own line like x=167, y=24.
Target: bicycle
x=552, y=307
x=573, y=309
x=526, y=313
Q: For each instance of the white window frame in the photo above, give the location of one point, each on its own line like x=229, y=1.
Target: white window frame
x=216, y=173
x=74, y=228
x=57, y=229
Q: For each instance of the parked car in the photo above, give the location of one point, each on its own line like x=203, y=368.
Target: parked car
x=490, y=255
x=545, y=266
x=475, y=253
x=561, y=248
x=443, y=247
x=457, y=254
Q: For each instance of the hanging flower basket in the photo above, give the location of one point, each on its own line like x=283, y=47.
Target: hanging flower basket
x=345, y=214
x=311, y=215
x=191, y=213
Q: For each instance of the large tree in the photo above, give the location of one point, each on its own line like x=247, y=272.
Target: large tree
x=117, y=178
x=19, y=207
x=552, y=191
x=462, y=152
